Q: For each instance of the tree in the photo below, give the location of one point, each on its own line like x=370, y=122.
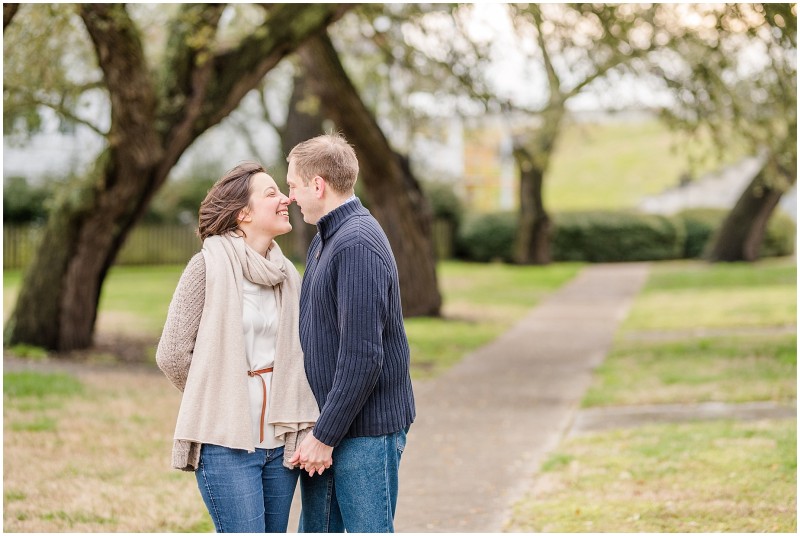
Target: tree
x=154, y=118
x=737, y=79
x=570, y=47
x=577, y=46
x=395, y=195
x=575, y=49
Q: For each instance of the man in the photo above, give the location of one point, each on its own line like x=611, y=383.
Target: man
x=355, y=346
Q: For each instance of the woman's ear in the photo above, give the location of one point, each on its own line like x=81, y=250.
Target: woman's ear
x=244, y=215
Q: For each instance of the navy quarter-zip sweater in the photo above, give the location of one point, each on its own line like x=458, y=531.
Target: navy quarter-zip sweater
x=351, y=329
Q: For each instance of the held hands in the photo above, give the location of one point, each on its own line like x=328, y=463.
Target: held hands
x=312, y=455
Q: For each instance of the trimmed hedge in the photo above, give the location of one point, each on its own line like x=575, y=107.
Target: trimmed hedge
x=606, y=236
x=616, y=237
x=700, y=224
x=781, y=236
x=487, y=237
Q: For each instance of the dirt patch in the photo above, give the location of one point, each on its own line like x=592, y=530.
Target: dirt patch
x=596, y=419
x=680, y=335
x=107, y=351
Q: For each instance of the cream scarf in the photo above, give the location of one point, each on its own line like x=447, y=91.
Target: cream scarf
x=215, y=405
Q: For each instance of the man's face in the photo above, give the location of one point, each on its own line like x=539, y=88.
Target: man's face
x=304, y=195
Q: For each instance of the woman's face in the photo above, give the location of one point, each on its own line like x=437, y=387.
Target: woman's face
x=268, y=212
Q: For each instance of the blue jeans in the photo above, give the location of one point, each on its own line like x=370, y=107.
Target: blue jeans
x=359, y=491
x=246, y=492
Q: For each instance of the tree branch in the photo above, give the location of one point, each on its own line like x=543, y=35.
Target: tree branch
x=188, y=67
x=552, y=77
x=231, y=74
x=59, y=108
x=288, y=25
x=127, y=78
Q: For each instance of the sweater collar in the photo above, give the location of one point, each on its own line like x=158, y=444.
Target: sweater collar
x=330, y=222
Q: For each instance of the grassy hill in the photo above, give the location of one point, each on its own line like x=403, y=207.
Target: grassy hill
x=613, y=165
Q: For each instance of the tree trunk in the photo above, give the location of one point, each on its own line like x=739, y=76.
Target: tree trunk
x=396, y=198
x=9, y=10
x=303, y=121
x=533, y=232
x=89, y=224
x=57, y=305
x=742, y=232
x=532, y=156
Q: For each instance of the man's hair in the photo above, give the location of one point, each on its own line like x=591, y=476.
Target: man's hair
x=219, y=211
x=330, y=157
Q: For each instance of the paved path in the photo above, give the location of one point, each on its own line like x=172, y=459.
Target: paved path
x=484, y=427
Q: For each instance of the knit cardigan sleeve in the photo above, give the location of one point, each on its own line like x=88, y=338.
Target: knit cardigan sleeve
x=176, y=346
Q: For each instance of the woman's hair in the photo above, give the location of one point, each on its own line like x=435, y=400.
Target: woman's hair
x=219, y=211
x=330, y=157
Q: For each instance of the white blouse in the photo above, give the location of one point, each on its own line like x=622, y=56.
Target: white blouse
x=260, y=323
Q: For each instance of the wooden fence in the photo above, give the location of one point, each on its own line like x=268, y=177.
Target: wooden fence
x=159, y=244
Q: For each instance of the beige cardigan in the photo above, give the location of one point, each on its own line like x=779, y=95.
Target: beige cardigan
x=201, y=351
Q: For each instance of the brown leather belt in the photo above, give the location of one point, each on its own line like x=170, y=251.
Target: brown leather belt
x=259, y=373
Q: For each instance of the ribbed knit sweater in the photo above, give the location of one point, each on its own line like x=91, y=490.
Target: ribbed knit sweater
x=351, y=329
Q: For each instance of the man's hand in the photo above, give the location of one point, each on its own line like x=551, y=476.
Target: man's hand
x=312, y=455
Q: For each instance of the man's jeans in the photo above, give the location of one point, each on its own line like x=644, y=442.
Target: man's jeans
x=246, y=492
x=358, y=493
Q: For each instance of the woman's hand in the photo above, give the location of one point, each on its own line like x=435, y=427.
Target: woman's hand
x=312, y=455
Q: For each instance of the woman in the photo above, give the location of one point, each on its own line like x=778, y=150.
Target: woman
x=231, y=344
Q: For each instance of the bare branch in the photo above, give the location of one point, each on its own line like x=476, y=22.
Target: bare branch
x=552, y=77
x=288, y=25
x=59, y=108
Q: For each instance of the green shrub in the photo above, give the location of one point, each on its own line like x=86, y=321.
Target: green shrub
x=614, y=236
x=700, y=224
x=23, y=202
x=604, y=236
x=448, y=209
x=178, y=201
x=445, y=203
x=780, y=237
x=487, y=237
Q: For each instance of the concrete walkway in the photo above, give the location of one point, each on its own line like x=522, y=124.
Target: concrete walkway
x=484, y=427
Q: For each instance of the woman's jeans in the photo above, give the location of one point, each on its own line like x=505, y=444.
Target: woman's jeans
x=358, y=493
x=246, y=492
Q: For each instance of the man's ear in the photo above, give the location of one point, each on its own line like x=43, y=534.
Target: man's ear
x=319, y=186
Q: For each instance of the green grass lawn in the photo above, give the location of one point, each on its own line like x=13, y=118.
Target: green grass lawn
x=695, y=477
x=729, y=331
x=718, y=476
x=134, y=299
x=743, y=368
x=691, y=295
